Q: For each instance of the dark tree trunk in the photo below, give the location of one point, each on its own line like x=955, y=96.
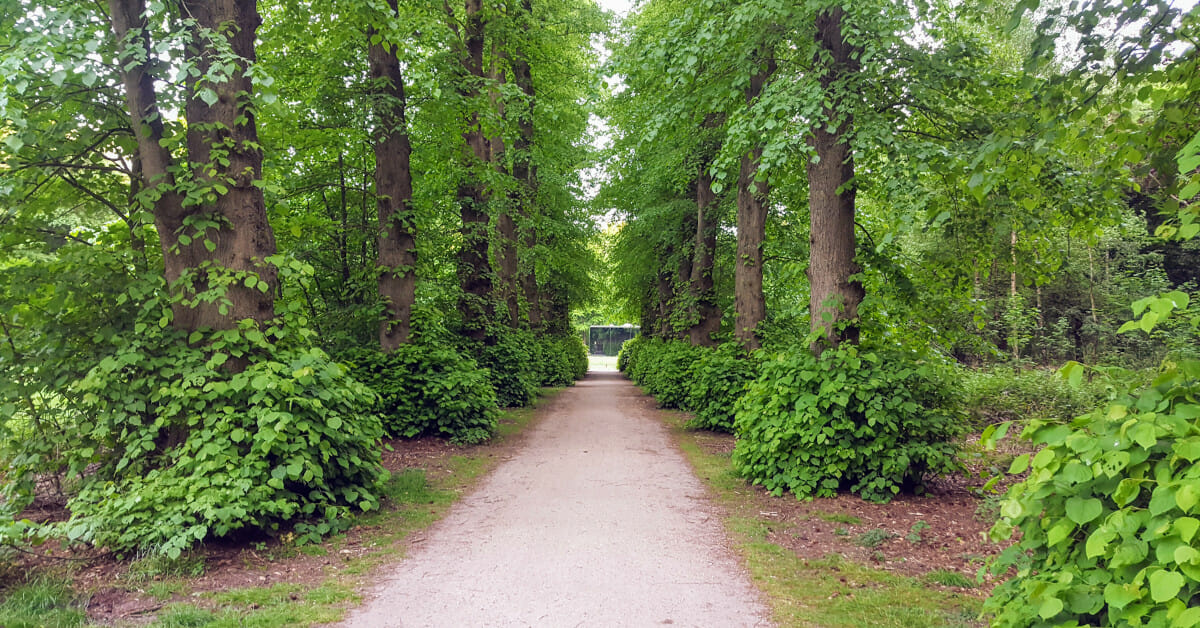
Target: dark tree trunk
x=397, y=257
x=708, y=314
x=222, y=143
x=834, y=298
x=525, y=172
x=474, y=268
x=750, y=306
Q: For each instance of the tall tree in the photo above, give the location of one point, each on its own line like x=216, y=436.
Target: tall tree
x=477, y=302
x=833, y=295
x=752, y=191
x=393, y=185
x=209, y=211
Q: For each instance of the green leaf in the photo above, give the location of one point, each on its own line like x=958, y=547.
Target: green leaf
x=1188, y=495
x=1121, y=595
x=1082, y=511
x=1187, y=528
x=1165, y=585
x=335, y=422
x=1050, y=607
x=1019, y=464
x=208, y=96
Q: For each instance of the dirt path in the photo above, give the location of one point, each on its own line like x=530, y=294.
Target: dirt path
x=597, y=521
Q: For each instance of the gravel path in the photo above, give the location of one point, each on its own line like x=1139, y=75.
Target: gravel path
x=596, y=521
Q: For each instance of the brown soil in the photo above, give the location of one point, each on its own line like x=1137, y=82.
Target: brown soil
x=944, y=530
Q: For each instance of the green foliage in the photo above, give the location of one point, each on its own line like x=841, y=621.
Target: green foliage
x=871, y=421
x=428, y=390
x=718, y=380
x=1004, y=394
x=1109, y=514
x=193, y=437
x=559, y=360
x=662, y=368
x=874, y=537
x=511, y=368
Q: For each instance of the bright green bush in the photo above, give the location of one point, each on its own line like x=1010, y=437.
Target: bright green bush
x=1109, y=516
x=181, y=446
x=559, y=360
x=511, y=368
x=874, y=422
x=718, y=380
x=661, y=367
x=628, y=356
x=429, y=391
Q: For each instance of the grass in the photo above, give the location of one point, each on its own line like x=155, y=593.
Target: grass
x=42, y=603
x=948, y=578
x=837, y=517
x=874, y=538
x=412, y=502
x=828, y=592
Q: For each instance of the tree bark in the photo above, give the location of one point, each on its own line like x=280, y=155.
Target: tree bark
x=750, y=306
x=397, y=255
x=222, y=142
x=476, y=304
x=708, y=313
x=525, y=172
x=833, y=296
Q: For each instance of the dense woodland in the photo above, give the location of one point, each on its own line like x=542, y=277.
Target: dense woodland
x=245, y=241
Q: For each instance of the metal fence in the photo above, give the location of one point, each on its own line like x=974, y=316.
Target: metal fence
x=607, y=339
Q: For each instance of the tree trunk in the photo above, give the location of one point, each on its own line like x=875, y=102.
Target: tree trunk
x=707, y=312
x=474, y=268
x=750, y=306
x=229, y=229
x=525, y=172
x=397, y=256
x=833, y=297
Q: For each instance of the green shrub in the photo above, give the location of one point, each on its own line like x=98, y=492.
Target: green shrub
x=1003, y=394
x=559, y=360
x=429, y=391
x=628, y=356
x=718, y=379
x=873, y=422
x=511, y=368
x=179, y=447
x=1109, y=516
x=661, y=367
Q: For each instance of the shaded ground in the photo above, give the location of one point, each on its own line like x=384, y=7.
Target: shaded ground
x=916, y=536
x=597, y=521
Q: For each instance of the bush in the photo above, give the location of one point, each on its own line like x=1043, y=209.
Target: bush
x=1003, y=394
x=1109, y=516
x=661, y=368
x=179, y=447
x=559, y=360
x=629, y=353
x=718, y=381
x=429, y=391
x=511, y=368
x=873, y=422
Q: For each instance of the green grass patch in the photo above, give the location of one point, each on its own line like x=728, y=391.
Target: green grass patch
x=948, y=578
x=42, y=603
x=837, y=517
x=830, y=592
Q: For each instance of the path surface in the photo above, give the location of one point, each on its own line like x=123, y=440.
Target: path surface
x=596, y=521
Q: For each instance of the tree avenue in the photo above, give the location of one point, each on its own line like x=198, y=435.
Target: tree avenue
x=245, y=241
x=917, y=206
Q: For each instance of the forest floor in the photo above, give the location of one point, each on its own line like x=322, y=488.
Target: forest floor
x=827, y=562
